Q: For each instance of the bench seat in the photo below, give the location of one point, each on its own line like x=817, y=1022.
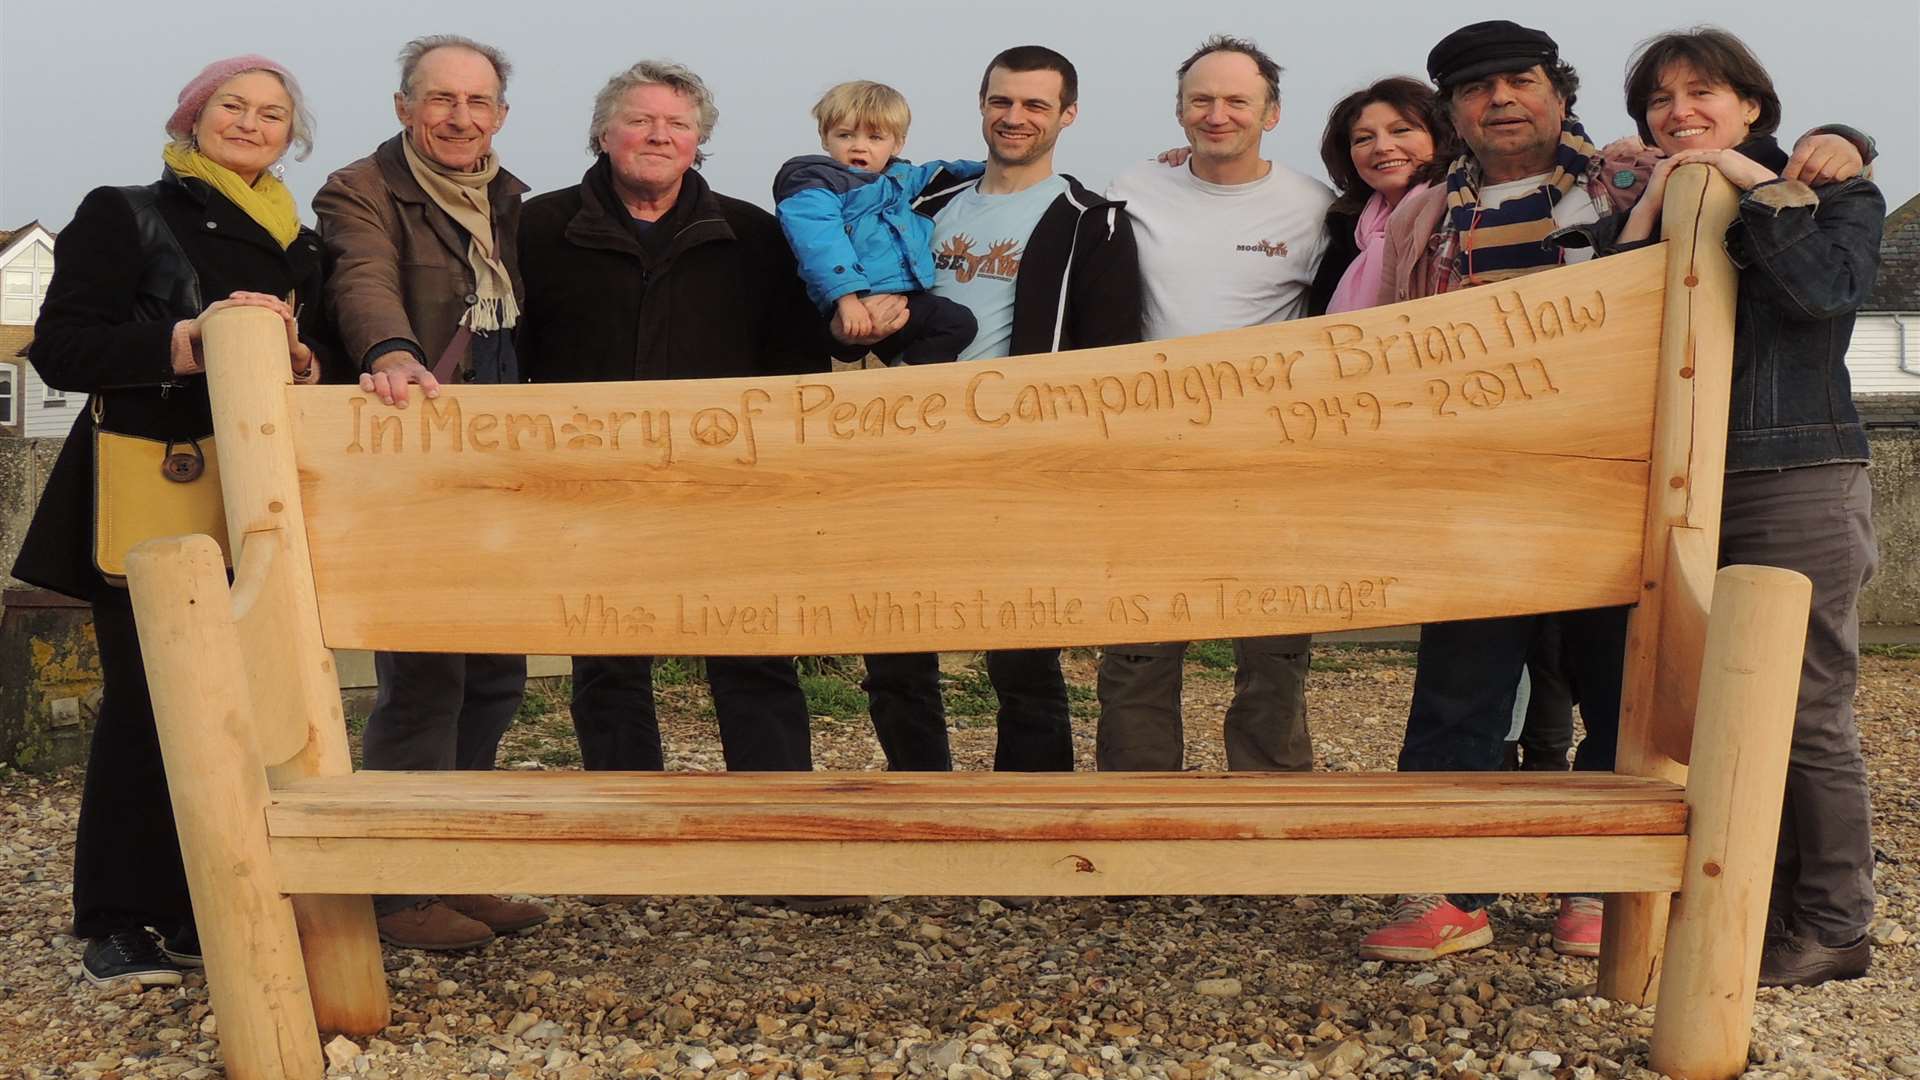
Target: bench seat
x=933, y=833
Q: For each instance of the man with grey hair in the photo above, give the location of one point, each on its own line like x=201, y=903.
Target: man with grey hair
x=424, y=287
x=642, y=271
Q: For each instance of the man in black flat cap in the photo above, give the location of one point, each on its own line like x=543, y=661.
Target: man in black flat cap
x=1528, y=170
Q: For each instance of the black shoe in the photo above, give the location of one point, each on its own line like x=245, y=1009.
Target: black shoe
x=1799, y=960
x=128, y=956
x=183, y=948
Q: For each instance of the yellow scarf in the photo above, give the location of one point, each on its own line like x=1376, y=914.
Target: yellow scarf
x=267, y=202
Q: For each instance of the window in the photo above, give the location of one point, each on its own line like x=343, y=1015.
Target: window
x=23, y=285
x=51, y=398
x=9, y=393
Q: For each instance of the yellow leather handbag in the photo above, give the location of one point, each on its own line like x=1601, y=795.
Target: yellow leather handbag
x=146, y=488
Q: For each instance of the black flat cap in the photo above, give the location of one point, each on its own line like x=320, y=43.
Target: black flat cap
x=1488, y=48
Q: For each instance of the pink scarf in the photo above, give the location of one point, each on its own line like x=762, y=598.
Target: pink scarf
x=1360, y=286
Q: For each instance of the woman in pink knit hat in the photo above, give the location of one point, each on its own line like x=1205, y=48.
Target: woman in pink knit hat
x=135, y=274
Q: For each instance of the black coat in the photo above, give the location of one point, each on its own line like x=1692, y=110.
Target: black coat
x=1340, y=253
x=106, y=329
x=709, y=291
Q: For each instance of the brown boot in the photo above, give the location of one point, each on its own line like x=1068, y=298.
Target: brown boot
x=431, y=924
x=501, y=915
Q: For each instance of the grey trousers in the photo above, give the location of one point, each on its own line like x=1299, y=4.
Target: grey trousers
x=1818, y=521
x=1266, y=723
x=437, y=712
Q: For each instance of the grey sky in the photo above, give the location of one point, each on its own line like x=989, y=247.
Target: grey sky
x=85, y=87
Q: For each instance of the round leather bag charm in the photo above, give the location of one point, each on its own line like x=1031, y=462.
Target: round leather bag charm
x=183, y=466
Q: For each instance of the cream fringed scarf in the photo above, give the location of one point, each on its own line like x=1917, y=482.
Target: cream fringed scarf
x=463, y=195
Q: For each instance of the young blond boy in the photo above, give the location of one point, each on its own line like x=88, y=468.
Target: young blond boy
x=849, y=216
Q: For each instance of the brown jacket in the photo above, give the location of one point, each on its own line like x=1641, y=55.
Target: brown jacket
x=398, y=263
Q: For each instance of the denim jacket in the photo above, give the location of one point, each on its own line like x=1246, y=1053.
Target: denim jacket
x=1807, y=260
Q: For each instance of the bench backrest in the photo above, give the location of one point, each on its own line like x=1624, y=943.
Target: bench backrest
x=1524, y=447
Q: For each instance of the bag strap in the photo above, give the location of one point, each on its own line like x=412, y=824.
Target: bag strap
x=168, y=273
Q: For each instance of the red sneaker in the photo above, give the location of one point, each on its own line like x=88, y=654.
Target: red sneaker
x=1576, y=930
x=1426, y=927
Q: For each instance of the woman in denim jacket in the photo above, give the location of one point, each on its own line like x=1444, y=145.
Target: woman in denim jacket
x=1796, y=490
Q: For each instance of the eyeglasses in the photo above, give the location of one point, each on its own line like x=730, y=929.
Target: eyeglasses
x=479, y=107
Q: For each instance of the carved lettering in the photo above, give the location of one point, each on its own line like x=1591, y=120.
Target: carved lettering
x=1349, y=361
x=519, y=424
x=973, y=400
x=480, y=432
x=446, y=417
x=384, y=425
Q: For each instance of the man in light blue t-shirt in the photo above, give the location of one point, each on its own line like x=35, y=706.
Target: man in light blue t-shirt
x=1044, y=265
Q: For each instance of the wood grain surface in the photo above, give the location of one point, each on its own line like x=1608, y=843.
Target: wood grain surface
x=1474, y=454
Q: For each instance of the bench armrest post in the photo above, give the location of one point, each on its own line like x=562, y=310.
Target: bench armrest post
x=1685, y=475
x=295, y=691
x=255, y=976
x=1749, y=690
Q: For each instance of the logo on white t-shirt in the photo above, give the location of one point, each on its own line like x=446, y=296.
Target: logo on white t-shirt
x=1269, y=248
x=1001, y=260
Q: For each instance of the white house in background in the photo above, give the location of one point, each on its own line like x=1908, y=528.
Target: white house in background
x=1884, y=356
x=27, y=406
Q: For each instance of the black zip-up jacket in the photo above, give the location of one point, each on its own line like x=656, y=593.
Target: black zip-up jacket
x=1079, y=283
x=709, y=291
x=1807, y=259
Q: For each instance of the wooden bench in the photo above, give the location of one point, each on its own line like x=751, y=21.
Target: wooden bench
x=1552, y=444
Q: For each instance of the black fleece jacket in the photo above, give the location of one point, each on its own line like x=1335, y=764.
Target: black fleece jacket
x=709, y=291
x=1079, y=284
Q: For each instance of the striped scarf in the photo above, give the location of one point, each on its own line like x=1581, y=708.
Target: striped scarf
x=1506, y=242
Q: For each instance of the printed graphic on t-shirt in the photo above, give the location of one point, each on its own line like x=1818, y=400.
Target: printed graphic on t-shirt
x=1000, y=260
x=1269, y=248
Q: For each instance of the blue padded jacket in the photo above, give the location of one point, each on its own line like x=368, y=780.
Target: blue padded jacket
x=856, y=232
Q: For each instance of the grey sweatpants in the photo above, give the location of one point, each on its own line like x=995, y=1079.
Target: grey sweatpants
x=1819, y=521
x=1266, y=723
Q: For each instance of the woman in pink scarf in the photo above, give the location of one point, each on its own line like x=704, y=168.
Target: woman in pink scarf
x=1379, y=147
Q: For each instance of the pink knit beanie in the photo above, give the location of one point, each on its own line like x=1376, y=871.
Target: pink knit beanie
x=194, y=96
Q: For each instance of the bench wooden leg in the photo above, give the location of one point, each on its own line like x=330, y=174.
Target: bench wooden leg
x=1743, y=731
x=341, y=948
x=255, y=977
x=1633, y=937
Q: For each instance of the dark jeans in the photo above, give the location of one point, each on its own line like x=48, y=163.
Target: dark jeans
x=1818, y=521
x=937, y=330
x=1266, y=722
x=1464, y=688
x=1546, y=735
x=761, y=709
x=1034, y=733
x=126, y=856
x=439, y=712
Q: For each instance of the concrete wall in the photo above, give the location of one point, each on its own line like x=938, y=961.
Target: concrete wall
x=1893, y=596
x=24, y=465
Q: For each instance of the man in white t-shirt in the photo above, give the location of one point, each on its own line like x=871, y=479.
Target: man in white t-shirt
x=1227, y=240
x=1044, y=265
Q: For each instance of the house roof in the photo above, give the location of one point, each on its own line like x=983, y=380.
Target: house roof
x=11, y=238
x=1897, y=288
